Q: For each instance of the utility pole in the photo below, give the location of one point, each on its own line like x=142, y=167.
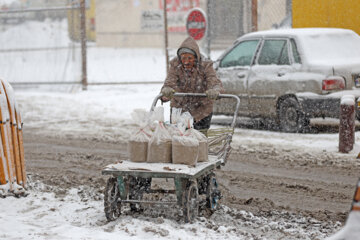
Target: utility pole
x=83, y=44
x=254, y=15
x=208, y=29
x=166, y=37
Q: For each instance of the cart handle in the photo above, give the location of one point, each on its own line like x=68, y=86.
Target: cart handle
x=233, y=123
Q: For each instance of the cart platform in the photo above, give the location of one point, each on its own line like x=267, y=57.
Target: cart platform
x=161, y=170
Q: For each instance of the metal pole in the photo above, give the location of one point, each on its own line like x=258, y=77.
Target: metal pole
x=289, y=9
x=72, y=33
x=166, y=37
x=83, y=44
x=208, y=30
x=254, y=15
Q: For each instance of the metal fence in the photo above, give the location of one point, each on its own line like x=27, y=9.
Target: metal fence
x=44, y=42
x=226, y=21
x=230, y=19
x=35, y=43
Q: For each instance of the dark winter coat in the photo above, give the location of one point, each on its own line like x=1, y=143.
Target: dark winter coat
x=202, y=78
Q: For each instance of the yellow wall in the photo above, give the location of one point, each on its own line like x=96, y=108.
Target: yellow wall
x=326, y=13
x=90, y=16
x=74, y=22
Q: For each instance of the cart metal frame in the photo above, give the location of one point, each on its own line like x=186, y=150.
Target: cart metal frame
x=131, y=180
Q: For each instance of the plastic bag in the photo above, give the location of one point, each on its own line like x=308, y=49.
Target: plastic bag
x=159, y=147
x=175, y=115
x=138, y=142
x=173, y=130
x=175, y=118
x=187, y=119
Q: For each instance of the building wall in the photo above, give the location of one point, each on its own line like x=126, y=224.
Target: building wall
x=326, y=13
x=139, y=23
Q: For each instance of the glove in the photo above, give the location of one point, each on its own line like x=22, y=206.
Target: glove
x=167, y=92
x=212, y=94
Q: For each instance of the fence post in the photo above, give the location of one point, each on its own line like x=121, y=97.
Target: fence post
x=166, y=41
x=347, y=124
x=254, y=15
x=83, y=44
x=208, y=29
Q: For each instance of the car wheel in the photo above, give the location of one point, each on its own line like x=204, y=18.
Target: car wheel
x=291, y=117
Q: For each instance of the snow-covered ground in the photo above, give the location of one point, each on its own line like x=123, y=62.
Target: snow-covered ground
x=43, y=215
x=114, y=104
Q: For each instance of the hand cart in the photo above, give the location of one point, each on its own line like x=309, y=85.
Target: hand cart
x=129, y=181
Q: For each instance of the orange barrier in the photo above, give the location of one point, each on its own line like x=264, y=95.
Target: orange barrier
x=12, y=161
x=4, y=178
x=4, y=128
x=19, y=124
x=356, y=200
x=13, y=135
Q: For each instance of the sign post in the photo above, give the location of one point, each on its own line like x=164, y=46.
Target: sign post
x=166, y=37
x=196, y=23
x=83, y=44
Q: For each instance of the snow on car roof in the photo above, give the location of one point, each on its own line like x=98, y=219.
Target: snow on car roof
x=299, y=32
x=329, y=46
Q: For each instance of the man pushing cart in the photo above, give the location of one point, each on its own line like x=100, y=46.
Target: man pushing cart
x=175, y=151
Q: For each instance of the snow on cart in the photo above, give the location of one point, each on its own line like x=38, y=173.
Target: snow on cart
x=172, y=151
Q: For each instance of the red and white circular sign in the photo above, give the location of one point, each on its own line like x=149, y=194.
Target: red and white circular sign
x=196, y=23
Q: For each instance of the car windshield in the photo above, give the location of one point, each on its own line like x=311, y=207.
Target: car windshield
x=331, y=47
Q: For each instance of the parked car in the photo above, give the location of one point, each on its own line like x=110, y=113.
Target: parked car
x=291, y=75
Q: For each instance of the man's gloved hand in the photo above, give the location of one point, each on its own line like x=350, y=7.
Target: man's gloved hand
x=167, y=92
x=212, y=94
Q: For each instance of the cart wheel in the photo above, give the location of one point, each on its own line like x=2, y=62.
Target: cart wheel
x=213, y=194
x=112, y=205
x=191, y=203
x=137, y=187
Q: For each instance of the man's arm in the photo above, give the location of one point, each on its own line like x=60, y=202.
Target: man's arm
x=170, y=81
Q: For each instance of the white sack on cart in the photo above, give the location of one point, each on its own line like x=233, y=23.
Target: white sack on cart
x=159, y=147
x=203, y=143
x=138, y=142
x=185, y=149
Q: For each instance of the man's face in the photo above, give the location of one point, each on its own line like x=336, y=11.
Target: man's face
x=188, y=60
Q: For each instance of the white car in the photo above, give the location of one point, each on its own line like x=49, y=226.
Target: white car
x=291, y=75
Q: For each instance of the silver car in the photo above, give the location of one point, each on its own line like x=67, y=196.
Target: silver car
x=291, y=75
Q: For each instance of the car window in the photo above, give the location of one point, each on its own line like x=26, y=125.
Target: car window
x=295, y=52
x=274, y=52
x=241, y=55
